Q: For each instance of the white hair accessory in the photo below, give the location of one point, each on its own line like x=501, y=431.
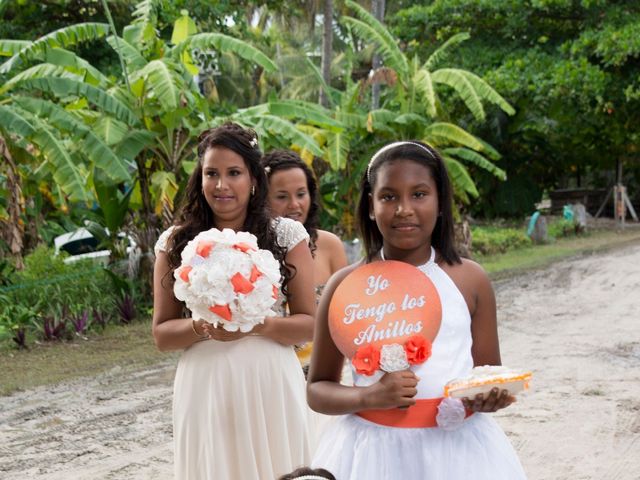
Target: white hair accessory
x=254, y=142
x=390, y=146
x=267, y=169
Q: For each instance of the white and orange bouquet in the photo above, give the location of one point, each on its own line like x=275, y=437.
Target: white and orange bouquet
x=225, y=279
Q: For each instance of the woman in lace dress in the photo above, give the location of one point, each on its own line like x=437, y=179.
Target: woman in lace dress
x=293, y=193
x=239, y=407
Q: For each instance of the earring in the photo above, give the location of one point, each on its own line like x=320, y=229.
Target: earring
x=253, y=189
x=372, y=216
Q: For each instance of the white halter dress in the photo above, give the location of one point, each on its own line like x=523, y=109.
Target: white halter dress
x=353, y=448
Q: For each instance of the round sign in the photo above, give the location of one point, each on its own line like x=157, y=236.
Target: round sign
x=382, y=303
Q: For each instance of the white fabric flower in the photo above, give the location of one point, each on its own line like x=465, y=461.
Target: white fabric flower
x=204, y=279
x=367, y=380
x=451, y=413
x=393, y=358
x=267, y=264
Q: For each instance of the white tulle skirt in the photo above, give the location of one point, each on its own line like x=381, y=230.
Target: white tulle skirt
x=239, y=411
x=354, y=449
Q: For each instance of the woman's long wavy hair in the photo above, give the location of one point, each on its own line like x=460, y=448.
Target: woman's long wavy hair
x=280, y=160
x=196, y=215
x=442, y=238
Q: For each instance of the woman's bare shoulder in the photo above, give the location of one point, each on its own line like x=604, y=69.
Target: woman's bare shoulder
x=329, y=240
x=337, y=278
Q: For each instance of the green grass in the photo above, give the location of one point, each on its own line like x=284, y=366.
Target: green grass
x=540, y=256
x=131, y=347
x=128, y=347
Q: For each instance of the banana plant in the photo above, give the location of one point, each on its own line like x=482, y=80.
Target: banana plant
x=42, y=105
x=96, y=136
x=47, y=105
x=412, y=97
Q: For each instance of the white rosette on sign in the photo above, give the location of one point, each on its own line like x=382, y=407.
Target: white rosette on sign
x=225, y=279
x=393, y=358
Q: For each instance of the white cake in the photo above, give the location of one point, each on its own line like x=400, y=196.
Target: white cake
x=483, y=379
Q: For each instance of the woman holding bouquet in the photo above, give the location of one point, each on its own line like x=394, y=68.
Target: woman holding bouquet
x=239, y=409
x=293, y=193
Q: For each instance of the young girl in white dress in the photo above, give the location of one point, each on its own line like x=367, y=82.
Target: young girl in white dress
x=239, y=407
x=405, y=214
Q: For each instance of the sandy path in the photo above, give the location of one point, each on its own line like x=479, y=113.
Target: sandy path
x=576, y=325
x=116, y=426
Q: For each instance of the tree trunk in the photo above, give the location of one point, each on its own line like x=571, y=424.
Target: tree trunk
x=463, y=237
x=377, y=7
x=13, y=231
x=147, y=232
x=327, y=49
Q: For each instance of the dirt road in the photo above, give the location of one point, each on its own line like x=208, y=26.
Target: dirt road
x=576, y=325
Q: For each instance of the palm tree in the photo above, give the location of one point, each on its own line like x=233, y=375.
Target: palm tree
x=11, y=225
x=327, y=50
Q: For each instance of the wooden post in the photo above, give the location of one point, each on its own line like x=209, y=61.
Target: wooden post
x=619, y=205
x=621, y=201
x=630, y=206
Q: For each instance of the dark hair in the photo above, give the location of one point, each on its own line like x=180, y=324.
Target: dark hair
x=196, y=215
x=279, y=160
x=442, y=238
x=301, y=472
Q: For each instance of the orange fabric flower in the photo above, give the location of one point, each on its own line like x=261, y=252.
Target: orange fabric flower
x=184, y=273
x=418, y=349
x=243, y=247
x=366, y=360
x=241, y=284
x=255, y=274
x=204, y=248
x=222, y=311
x=276, y=292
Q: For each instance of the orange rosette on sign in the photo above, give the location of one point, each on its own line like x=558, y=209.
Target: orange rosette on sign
x=385, y=315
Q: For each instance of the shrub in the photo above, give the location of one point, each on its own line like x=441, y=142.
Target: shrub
x=15, y=320
x=494, y=240
x=562, y=228
x=52, y=299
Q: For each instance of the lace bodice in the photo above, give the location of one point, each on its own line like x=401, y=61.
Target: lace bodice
x=161, y=244
x=289, y=233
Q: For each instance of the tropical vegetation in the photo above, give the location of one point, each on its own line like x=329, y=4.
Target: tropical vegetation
x=101, y=107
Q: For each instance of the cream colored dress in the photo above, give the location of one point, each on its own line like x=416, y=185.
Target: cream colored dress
x=239, y=408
